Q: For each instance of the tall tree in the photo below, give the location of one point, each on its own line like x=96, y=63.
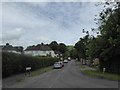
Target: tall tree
x=110, y=32
x=81, y=47
x=62, y=48
x=54, y=45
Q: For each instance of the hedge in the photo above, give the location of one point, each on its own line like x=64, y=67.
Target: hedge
x=16, y=63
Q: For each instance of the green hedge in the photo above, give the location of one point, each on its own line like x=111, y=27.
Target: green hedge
x=14, y=63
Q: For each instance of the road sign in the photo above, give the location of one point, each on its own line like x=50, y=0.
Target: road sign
x=28, y=68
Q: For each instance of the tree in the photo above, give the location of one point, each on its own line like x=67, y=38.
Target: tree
x=54, y=45
x=105, y=46
x=81, y=48
x=110, y=32
x=73, y=53
x=62, y=47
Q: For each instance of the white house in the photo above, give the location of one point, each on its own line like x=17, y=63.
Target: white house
x=41, y=50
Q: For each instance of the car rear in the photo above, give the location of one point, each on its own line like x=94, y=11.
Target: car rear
x=57, y=66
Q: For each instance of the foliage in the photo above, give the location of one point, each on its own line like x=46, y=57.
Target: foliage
x=68, y=52
x=110, y=33
x=101, y=75
x=54, y=45
x=81, y=48
x=14, y=63
x=60, y=47
x=73, y=53
x=106, y=46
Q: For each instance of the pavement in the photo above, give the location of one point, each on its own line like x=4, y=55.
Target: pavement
x=69, y=76
x=87, y=68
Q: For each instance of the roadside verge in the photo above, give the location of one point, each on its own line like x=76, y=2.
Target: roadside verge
x=95, y=73
x=21, y=77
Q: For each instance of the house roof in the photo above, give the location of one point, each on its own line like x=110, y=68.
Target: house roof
x=40, y=47
x=10, y=47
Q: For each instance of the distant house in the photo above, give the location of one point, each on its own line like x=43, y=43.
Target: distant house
x=41, y=50
x=96, y=61
x=10, y=48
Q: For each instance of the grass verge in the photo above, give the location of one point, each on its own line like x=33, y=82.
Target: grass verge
x=97, y=73
x=18, y=80
x=102, y=75
x=40, y=71
x=35, y=73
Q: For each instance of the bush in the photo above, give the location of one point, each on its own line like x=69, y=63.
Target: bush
x=15, y=63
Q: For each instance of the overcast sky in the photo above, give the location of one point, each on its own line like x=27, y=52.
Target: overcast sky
x=29, y=23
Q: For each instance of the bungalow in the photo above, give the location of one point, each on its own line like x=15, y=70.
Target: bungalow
x=10, y=48
x=41, y=50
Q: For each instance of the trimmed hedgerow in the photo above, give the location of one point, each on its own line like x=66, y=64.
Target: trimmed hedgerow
x=15, y=63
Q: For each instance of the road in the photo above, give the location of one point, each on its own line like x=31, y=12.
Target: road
x=67, y=77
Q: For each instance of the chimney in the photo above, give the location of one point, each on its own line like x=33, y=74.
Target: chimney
x=42, y=43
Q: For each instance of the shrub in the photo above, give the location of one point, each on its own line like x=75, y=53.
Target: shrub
x=15, y=63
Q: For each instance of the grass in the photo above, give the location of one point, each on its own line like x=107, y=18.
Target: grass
x=102, y=75
x=79, y=64
x=97, y=73
x=40, y=71
x=96, y=67
x=82, y=66
x=37, y=72
x=19, y=80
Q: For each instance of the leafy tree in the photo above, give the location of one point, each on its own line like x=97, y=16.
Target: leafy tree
x=62, y=48
x=105, y=46
x=110, y=32
x=73, y=53
x=81, y=47
x=20, y=48
x=54, y=45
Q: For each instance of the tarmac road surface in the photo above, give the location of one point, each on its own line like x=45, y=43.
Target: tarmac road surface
x=67, y=77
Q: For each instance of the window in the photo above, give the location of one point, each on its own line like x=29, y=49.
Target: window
x=44, y=51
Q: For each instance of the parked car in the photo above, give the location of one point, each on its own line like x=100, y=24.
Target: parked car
x=61, y=62
x=69, y=59
x=57, y=65
x=65, y=61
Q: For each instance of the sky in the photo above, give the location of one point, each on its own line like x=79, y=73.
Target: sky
x=31, y=23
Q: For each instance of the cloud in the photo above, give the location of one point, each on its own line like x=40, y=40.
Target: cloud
x=12, y=34
x=27, y=23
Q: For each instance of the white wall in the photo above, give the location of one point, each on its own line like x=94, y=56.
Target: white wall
x=41, y=53
x=13, y=51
